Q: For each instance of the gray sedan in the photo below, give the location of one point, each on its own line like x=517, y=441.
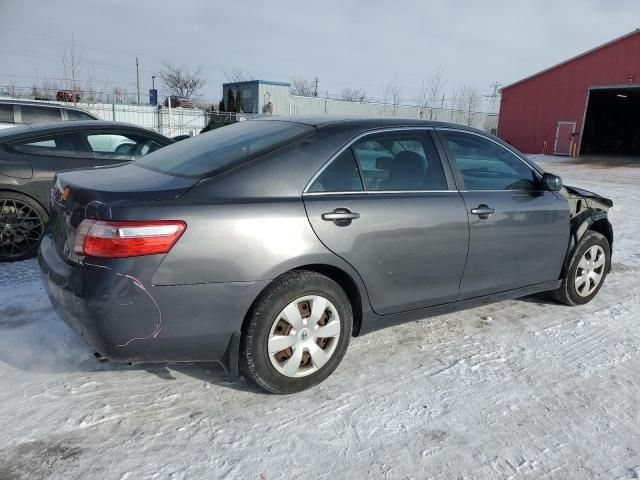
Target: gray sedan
x=267, y=244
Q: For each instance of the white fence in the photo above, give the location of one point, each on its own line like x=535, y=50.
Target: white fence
x=187, y=121
x=331, y=106
x=168, y=121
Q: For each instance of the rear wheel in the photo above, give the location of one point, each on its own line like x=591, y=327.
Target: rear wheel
x=587, y=270
x=297, y=333
x=22, y=222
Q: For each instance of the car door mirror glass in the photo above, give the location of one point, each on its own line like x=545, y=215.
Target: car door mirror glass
x=551, y=182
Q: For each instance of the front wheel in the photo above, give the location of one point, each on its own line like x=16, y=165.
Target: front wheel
x=22, y=222
x=297, y=333
x=587, y=270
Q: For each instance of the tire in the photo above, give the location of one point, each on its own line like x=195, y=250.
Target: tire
x=267, y=324
x=22, y=224
x=569, y=293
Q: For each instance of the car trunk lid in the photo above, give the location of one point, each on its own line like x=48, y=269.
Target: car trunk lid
x=81, y=194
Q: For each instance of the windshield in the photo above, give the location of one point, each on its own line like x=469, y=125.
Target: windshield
x=206, y=153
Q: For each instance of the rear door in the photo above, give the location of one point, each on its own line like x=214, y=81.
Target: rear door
x=388, y=206
x=48, y=154
x=518, y=233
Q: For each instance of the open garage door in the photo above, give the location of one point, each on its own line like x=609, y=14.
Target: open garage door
x=612, y=121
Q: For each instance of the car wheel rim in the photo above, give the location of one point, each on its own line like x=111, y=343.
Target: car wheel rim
x=21, y=228
x=304, y=336
x=590, y=271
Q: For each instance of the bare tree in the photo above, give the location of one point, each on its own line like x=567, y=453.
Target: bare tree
x=391, y=96
x=237, y=75
x=11, y=89
x=71, y=65
x=303, y=87
x=119, y=95
x=181, y=82
x=472, y=100
x=91, y=92
x=43, y=89
x=353, y=94
x=466, y=102
x=429, y=93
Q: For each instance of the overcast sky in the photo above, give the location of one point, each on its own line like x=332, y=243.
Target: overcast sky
x=360, y=43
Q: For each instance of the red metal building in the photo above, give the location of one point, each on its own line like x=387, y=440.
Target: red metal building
x=588, y=104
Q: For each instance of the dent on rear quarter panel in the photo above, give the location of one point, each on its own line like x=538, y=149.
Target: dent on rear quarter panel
x=241, y=243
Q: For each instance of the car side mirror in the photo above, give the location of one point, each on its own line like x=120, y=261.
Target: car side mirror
x=551, y=182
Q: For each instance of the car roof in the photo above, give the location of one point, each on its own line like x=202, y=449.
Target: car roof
x=365, y=123
x=60, y=127
x=36, y=103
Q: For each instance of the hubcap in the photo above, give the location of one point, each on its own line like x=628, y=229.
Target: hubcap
x=304, y=336
x=21, y=228
x=590, y=271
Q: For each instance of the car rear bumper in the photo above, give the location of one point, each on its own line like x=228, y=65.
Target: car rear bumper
x=124, y=318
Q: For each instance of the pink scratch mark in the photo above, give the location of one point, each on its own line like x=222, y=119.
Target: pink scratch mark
x=138, y=284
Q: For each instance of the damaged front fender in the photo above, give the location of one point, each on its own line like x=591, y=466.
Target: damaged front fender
x=589, y=211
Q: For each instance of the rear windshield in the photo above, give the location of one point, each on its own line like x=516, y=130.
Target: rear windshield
x=201, y=155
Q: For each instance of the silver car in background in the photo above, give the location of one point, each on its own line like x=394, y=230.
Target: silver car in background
x=14, y=113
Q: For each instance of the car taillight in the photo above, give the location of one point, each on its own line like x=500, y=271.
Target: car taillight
x=97, y=238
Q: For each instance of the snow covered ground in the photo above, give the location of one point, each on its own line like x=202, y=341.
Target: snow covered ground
x=519, y=389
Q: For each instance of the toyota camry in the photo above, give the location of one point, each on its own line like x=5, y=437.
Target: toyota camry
x=266, y=245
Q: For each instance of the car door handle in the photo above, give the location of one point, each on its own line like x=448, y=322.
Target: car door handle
x=483, y=211
x=341, y=216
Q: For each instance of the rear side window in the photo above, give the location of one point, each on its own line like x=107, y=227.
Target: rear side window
x=39, y=114
x=340, y=176
x=76, y=115
x=397, y=161
x=121, y=146
x=217, y=149
x=6, y=113
x=56, y=145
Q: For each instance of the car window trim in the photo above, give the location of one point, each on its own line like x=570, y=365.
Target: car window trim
x=349, y=144
x=456, y=170
x=375, y=192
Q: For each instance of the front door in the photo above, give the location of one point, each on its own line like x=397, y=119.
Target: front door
x=565, y=135
x=519, y=234
x=395, y=216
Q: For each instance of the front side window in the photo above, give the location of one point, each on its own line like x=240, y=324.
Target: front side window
x=31, y=114
x=397, y=161
x=56, y=145
x=340, y=176
x=121, y=146
x=485, y=165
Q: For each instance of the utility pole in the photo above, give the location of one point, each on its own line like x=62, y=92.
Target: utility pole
x=138, y=79
x=493, y=96
x=315, y=90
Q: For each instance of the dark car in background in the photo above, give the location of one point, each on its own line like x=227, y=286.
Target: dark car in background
x=267, y=244
x=31, y=155
x=14, y=113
